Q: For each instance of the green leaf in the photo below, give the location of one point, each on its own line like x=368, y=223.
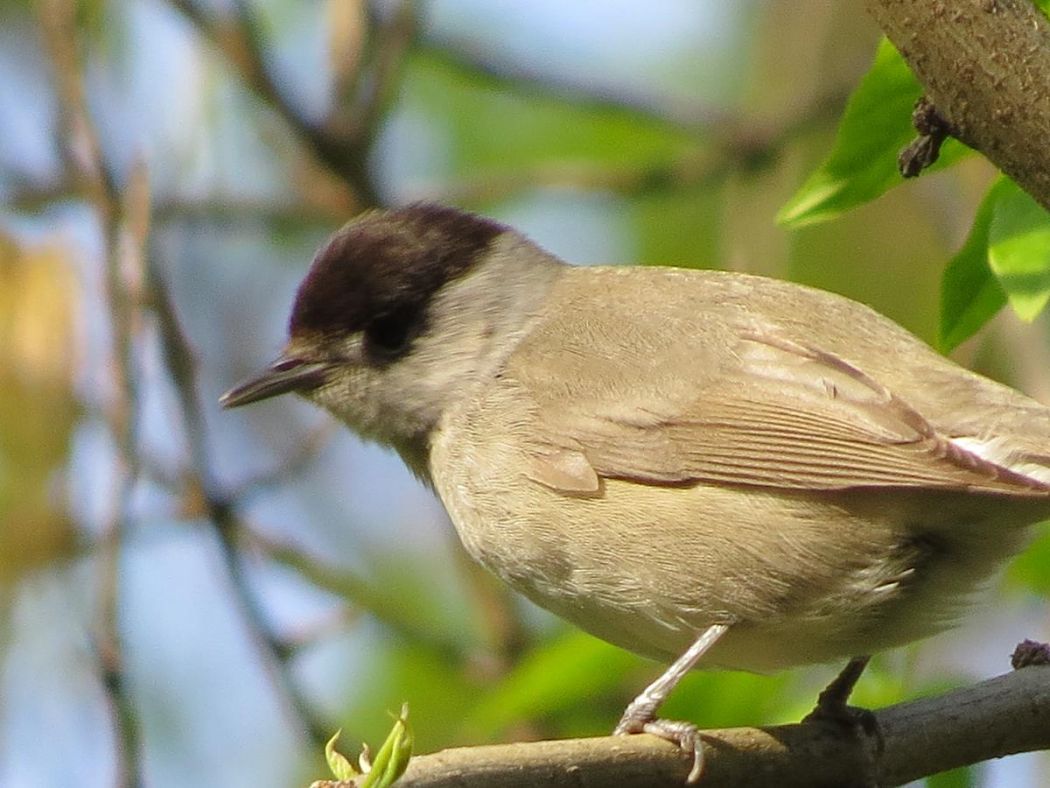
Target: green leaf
x=393, y=756
x=970, y=292
x=863, y=161
x=338, y=763
x=1019, y=250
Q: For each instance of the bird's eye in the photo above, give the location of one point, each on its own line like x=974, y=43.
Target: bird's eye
x=388, y=336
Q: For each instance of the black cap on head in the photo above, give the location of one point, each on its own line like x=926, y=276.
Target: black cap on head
x=378, y=273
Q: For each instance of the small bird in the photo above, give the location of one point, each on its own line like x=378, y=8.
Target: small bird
x=704, y=467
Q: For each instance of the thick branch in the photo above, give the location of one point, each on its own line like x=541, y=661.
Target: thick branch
x=985, y=65
x=1001, y=716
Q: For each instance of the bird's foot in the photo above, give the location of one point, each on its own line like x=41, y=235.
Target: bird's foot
x=849, y=719
x=640, y=718
x=832, y=710
x=640, y=715
x=832, y=706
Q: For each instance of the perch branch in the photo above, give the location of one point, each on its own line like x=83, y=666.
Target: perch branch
x=1001, y=716
x=985, y=66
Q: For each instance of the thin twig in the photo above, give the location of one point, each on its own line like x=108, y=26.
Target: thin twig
x=301, y=213
x=123, y=221
x=389, y=45
x=306, y=452
x=523, y=78
x=338, y=621
x=241, y=43
x=220, y=509
x=347, y=585
x=347, y=24
x=182, y=479
x=738, y=145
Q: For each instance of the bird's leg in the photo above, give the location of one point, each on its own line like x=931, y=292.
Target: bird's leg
x=640, y=714
x=832, y=707
x=831, y=703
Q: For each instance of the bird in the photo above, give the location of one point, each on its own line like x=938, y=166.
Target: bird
x=708, y=468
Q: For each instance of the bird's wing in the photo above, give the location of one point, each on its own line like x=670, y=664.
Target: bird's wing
x=775, y=413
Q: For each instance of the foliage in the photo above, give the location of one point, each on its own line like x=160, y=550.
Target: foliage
x=1006, y=257
x=862, y=164
x=388, y=764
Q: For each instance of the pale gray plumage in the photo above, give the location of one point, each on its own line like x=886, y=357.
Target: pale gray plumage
x=656, y=453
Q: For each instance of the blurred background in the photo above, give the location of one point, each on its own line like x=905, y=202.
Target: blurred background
x=197, y=598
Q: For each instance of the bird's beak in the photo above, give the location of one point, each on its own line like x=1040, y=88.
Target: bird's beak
x=286, y=374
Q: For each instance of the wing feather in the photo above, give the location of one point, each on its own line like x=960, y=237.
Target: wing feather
x=776, y=413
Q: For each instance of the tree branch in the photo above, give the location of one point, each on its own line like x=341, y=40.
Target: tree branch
x=355, y=590
x=240, y=41
x=500, y=73
x=985, y=65
x=739, y=144
x=220, y=509
x=122, y=213
x=1001, y=716
x=389, y=47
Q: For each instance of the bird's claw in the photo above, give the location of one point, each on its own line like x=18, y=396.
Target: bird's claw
x=682, y=734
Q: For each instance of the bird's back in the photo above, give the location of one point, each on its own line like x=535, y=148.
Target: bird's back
x=682, y=326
